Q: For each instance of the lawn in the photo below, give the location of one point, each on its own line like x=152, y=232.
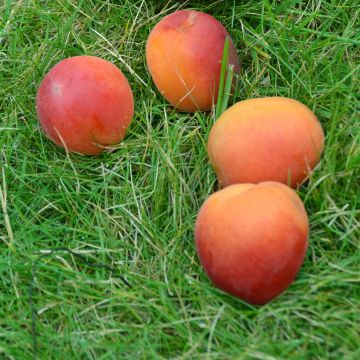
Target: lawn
x=133, y=287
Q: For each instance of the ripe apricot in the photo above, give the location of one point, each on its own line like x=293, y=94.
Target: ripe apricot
x=183, y=53
x=85, y=103
x=252, y=239
x=266, y=139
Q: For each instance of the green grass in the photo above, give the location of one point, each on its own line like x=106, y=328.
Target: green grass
x=134, y=208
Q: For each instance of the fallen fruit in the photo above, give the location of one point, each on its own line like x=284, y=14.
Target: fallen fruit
x=252, y=239
x=183, y=53
x=266, y=139
x=85, y=103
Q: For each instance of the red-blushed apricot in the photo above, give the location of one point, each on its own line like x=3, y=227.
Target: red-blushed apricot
x=183, y=53
x=252, y=239
x=266, y=139
x=85, y=103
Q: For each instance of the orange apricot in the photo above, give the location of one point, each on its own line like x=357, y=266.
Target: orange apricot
x=85, y=103
x=252, y=239
x=266, y=139
x=183, y=53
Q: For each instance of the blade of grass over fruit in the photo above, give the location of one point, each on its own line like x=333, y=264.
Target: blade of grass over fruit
x=227, y=90
x=224, y=63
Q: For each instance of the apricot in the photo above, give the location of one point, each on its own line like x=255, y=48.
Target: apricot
x=252, y=239
x=85, y=103
x=184, y=53
x=266, y=139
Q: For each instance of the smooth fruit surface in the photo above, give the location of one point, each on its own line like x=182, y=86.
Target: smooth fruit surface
x=85, y=103
x=184, y=52
x=265, y=139
x=252, y=239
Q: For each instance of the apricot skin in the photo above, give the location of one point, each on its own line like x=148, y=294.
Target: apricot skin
x=252, y=239
x=183, y=53
x=266, y=139
x=85, y=103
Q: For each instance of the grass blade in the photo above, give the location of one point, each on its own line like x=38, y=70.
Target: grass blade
x=224, y=63
x=227, y=90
